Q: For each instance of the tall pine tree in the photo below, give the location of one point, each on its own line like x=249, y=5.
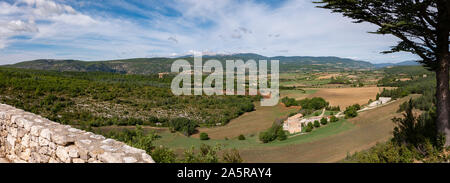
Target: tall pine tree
x=423, y=27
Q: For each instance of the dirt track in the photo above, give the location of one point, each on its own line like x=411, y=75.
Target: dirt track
x=371, y=127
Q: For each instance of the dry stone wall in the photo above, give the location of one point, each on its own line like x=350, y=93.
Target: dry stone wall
x=27, y=137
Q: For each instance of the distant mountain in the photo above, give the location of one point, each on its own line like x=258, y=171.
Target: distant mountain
x=404, y=63
x=128, y=66
x=156, y=65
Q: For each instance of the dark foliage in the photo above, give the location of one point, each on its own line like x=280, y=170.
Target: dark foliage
x=273, y=133
x=204, y=136
x=183, y=125
x=315, y=103
x=352, y=111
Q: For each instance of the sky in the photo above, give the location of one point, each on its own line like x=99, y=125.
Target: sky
x=118, y=29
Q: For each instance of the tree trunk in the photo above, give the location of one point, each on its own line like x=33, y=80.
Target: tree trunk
x=442, y=70
x=442, y=96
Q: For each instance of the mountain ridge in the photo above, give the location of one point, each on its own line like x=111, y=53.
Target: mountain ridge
x=403, y=63
x=163, y=64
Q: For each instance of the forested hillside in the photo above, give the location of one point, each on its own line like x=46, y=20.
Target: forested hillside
x=157, y=65
x=90, y=99
x=128, y=66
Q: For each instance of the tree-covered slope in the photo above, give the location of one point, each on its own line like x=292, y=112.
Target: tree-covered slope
x=91, y=99
x=156, y=65
x=129, y=66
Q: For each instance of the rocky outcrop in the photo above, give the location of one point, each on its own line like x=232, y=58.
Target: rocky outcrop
x=27, y=137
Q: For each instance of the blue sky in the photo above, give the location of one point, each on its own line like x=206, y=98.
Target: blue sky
x=118, y=29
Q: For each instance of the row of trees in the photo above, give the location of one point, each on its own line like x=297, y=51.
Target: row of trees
x=316, y=124
x=314, y=103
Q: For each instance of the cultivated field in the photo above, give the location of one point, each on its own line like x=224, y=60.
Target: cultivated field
x=347, y=96
x=370, y=127
x=263, y=117
x=297, y=94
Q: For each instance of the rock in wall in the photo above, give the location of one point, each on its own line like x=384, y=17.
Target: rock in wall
x=27, y=137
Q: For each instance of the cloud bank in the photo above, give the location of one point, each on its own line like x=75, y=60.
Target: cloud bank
x=102, y=30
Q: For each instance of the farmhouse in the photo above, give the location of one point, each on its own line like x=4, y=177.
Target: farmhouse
x=294, y=123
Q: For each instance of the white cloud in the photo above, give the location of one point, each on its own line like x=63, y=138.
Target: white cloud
x=14, y=28
x=20, y=26
x=46, y=8
x=6, y=8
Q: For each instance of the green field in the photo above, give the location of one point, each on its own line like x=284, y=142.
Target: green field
x=179, y=141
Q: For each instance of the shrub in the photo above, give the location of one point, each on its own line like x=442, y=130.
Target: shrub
x=274, y=132
x=352, y=111
x=135, y=138
x=204, y=136
x=232, y=156
x=323, y=121
x=207, y=154
x=281, y=135
x=163, y=155
x=316, y=124
x=333, y=108
x=333, y=119
x=289, y=101
x=384, y=153
x=184, y=125
x=241, y=137
x=309, y=128
x=417, y=131
x=265, y=137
